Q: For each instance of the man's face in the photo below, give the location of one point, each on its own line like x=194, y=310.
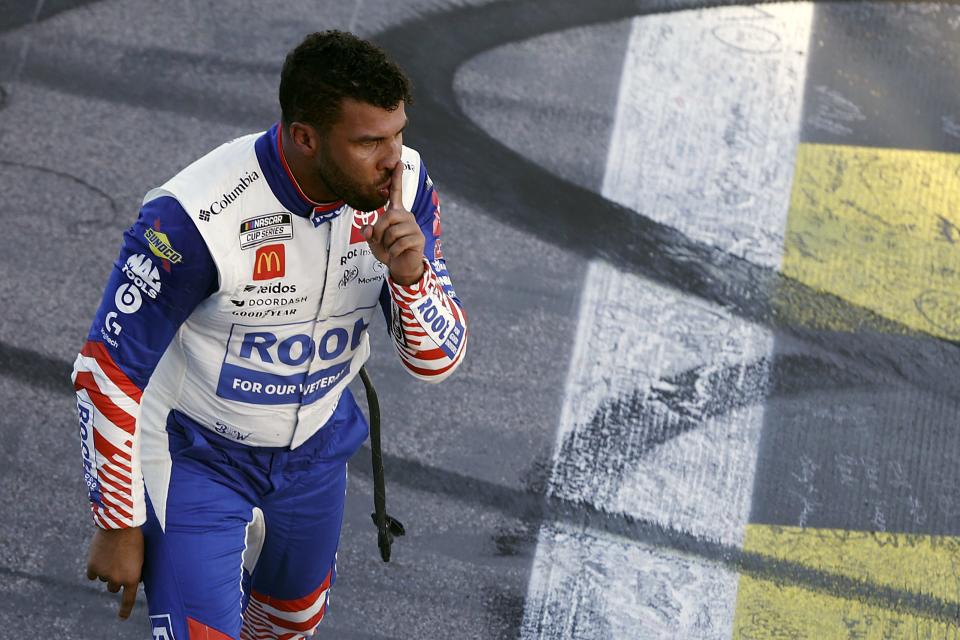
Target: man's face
x=357, y=154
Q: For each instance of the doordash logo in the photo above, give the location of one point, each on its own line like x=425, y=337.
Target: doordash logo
x=269, y=262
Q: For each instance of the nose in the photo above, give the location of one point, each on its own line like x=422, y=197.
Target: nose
x=391, y=156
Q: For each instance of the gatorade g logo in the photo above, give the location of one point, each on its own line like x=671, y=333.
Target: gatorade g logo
x=360, y=220
x=269, y=262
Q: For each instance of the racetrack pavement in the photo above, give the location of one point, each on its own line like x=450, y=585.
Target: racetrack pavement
x=687, y=409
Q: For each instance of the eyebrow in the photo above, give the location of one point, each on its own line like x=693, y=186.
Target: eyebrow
x=375, y=138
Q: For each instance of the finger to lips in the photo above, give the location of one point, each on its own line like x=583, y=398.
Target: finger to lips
x=396, y=186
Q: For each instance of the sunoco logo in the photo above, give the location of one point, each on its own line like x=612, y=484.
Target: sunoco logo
x=143, y=273
x=160, y=246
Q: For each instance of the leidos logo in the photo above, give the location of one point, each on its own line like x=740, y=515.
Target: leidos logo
x=269, y=262
x=360, y=220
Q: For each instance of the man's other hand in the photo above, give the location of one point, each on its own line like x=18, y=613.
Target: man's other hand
x=396, y=239
x=116, y=557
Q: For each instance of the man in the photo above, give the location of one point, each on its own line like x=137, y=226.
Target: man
x=243, y=295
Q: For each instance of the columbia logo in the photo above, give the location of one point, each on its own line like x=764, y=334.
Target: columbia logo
x=204, y=215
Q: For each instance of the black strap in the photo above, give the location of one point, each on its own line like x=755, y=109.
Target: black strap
x=387, y=527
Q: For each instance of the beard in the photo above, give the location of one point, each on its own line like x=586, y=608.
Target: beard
x=359, y=196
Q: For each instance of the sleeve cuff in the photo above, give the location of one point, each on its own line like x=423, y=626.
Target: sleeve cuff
x=406, y=295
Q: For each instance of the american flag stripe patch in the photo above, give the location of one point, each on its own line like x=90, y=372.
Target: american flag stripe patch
x=109, y=403
x=432, y=334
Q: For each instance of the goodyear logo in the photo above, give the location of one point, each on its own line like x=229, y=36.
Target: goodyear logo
x=160, y=246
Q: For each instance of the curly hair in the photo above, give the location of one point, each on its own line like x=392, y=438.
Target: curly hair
x=329, y=66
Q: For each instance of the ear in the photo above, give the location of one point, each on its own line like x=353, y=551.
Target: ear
x=305, y=138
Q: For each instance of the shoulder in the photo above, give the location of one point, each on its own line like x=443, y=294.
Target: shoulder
x=210, y=185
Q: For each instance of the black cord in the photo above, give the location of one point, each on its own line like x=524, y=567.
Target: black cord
x=387, y=527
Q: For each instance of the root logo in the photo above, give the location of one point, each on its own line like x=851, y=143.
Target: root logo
x=360, y=220
x=269, y=263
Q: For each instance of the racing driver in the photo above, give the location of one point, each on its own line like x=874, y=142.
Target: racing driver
x=243, y=294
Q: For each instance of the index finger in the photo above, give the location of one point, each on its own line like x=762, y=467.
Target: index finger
x=396, y=186
x=127, y=601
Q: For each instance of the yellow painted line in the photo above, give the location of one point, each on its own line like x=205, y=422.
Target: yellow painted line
x=879, y=228
x=913, y=563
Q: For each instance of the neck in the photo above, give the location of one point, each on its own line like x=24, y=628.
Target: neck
x=310, y=184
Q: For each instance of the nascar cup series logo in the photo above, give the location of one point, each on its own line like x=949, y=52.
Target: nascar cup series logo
x=360, y=220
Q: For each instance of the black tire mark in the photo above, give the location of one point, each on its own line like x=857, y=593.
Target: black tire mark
x=35, y=369
x=17, y=13
x=534, y=507
x=523, y=195
x=637, y=423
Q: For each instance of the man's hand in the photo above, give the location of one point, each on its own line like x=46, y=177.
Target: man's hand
x=396, y=239
x=116, y=557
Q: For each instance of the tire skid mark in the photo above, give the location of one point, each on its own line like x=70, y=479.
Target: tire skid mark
x=645, y=419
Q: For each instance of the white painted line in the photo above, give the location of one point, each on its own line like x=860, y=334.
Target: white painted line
x=704, y=140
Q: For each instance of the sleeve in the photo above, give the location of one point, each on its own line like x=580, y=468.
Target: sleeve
x=163, y=272
x=426, y=319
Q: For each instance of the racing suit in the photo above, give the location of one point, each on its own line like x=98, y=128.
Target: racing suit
x=212, y=389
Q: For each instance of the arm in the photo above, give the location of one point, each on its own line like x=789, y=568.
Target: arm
x=146, y=300
x=426, y=318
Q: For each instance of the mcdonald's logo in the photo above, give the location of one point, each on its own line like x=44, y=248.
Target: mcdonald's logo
x=269, y=262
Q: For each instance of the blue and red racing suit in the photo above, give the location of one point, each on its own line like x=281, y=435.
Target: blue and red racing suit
x=212, y=389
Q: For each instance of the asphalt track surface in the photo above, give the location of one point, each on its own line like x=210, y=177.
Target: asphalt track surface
x=101, y=100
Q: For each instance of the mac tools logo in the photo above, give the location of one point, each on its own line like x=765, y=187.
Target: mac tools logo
x=143, y=276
